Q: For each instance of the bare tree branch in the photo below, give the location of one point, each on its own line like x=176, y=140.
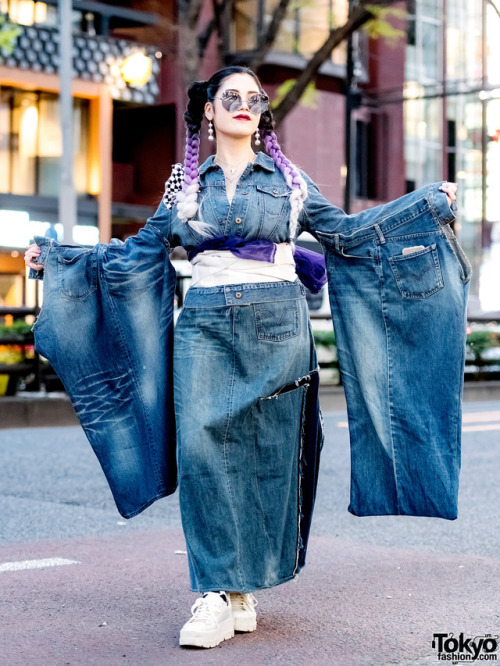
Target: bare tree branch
x=188, y=14
x=204, y=37
x=494, y=7
x=191, y=12
x=219, y=7
x=358, y=17
x=267, y=39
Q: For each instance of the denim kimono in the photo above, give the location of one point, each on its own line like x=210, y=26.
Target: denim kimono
x=244, y=371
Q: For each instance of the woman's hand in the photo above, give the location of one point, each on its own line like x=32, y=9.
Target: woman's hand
x=32, y=252
x=451, y=191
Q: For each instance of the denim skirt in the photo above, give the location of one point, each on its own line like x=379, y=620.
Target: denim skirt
x=249, y=433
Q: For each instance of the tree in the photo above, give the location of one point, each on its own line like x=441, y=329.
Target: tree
x=361, y=15
x=193, y=41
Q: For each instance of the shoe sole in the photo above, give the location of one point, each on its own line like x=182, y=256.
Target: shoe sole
x=208, y=640
x=245, y=625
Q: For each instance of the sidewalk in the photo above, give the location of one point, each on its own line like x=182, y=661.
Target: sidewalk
x=55, y=409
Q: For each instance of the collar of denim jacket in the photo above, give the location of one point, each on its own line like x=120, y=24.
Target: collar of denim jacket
x=263, y=160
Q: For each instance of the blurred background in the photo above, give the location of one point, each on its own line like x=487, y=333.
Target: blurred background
x=372, y=99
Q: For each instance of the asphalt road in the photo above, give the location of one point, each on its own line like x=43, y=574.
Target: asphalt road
x=108, y=591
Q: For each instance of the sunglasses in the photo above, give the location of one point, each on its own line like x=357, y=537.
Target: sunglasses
x=232, y=101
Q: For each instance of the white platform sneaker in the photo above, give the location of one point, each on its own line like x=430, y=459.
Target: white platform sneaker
x=212, y=621
x=245, y=617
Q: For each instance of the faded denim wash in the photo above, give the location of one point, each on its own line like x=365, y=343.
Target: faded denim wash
x=249, y=433
x=106, y=326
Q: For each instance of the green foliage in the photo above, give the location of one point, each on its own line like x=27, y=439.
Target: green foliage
x=18, y=328
x=308, y=99
x=479, y=341
x=324, y=338
x=379, y=25
x=8, y=34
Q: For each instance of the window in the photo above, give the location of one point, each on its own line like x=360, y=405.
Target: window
x=31, y=144
x=303, y=30
x=11, y=289
x=29, y=12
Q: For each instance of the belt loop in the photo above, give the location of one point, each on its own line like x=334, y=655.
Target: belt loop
x=337, y=242
x=380, y=235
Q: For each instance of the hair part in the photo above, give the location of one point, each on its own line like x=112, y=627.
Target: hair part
x=199, y=93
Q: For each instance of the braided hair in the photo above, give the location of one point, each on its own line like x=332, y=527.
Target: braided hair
x=199, y=93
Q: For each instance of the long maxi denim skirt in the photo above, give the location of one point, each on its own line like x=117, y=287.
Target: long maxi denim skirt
x=249, y=433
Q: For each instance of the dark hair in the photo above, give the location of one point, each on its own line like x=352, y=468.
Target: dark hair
x=199, y=93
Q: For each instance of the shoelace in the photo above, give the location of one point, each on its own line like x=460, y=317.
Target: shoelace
x=245, y=600
x=203, y=609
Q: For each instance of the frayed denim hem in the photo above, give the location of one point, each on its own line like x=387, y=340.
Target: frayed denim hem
x=246, y=590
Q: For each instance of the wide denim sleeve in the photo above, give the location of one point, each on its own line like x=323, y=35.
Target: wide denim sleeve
x=162, y=221
x=320, y=215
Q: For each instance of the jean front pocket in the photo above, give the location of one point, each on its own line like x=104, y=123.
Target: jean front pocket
x=276, y=321
x=77, y=276
x=418, y=273
x=274, y=204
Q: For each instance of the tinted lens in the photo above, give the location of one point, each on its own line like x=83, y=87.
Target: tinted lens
x=258, y=103
x=231, y=101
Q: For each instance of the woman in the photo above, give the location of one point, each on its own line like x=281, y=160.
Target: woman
x=245, y=369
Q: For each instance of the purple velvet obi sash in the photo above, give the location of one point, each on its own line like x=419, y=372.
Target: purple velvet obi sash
x=310, y=266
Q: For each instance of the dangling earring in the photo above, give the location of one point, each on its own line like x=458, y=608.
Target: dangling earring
x=257, y=137
x=210, y=131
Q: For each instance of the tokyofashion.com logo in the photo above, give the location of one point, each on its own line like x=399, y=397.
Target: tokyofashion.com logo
x=460, y=648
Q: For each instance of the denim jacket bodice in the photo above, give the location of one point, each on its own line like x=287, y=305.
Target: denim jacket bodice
x=259, y=210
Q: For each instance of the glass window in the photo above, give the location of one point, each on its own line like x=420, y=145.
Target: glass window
x=302, y=31
x=4, y=143
x=431, y=8
x=287, y=38
x=430, y=50
x=11, y=290
x=23, y=142
x=31, y=143
x=25, y=12
x=50, y=145
x=244, y=25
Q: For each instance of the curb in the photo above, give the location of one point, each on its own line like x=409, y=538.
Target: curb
x=35, y=410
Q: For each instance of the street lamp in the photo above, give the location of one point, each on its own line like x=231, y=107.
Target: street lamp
x=136, y=69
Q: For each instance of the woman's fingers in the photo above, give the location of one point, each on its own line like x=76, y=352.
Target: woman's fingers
x=32, y=252
x=451, y=191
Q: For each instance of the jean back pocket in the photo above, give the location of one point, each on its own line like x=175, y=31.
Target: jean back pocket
x=77, y=276
x=418, y=274
x=276, y=320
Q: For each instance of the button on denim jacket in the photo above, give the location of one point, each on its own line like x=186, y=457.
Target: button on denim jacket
x=398, y=282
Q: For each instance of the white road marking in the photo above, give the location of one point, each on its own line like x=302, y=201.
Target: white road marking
x=481, y=428
x=472, y=417
x=35, y=564
x=478, y=418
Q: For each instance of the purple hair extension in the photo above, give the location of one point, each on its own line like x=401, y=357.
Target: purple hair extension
x=291, y=174
x=187, y=197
